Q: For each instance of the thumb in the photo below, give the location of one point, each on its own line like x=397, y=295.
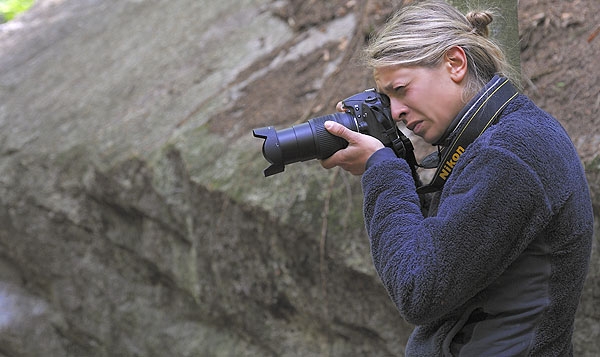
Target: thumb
x=338, y=129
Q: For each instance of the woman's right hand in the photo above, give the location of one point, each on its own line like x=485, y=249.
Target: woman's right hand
x=354, y=157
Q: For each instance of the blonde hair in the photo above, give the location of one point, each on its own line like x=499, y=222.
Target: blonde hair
x=421, y=33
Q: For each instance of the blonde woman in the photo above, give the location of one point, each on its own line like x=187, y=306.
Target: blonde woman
x=497, y=265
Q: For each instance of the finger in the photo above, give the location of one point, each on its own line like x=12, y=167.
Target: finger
x=328, y=163
x=338, y=129
x=339, y=106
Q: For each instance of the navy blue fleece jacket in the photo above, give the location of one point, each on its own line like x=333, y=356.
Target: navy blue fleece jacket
x=498, y=265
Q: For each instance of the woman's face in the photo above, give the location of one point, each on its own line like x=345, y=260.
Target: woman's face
x=425, y=99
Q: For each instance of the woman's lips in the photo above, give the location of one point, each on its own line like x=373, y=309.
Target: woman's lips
x=414, y=127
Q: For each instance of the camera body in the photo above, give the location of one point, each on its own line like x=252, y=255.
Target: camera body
x=367, y=112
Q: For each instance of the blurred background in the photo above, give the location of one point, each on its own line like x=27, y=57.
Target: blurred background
x=135, y=219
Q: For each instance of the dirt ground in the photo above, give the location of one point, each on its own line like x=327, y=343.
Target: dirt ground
x=560, y=52
x=560, y=55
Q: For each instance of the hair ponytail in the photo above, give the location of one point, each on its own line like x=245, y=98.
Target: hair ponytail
x=480, y=20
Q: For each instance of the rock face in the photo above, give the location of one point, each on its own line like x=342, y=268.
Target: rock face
x=134, y=218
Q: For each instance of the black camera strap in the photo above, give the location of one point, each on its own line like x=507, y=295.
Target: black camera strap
x=483, y=111
x=402, y=147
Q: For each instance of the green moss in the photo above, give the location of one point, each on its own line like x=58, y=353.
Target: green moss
x=11, y=8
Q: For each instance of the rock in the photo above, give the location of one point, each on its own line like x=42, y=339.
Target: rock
x=134, y=217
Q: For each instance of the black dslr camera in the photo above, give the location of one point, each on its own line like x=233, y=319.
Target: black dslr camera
x=367, y=112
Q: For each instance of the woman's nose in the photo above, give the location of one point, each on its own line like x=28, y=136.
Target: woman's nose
x=399, y=111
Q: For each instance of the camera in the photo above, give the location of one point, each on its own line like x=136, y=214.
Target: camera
x=367, y=112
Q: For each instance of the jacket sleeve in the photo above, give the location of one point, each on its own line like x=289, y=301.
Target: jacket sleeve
x=492, y=206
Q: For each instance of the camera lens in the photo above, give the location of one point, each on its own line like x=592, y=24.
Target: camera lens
x=302, y=142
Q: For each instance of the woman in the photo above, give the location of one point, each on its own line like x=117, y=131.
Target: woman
x=497, y=266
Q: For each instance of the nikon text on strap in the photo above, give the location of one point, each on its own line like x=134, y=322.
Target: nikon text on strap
x=484, y=112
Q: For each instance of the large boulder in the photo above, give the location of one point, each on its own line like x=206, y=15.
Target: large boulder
x=134, y=217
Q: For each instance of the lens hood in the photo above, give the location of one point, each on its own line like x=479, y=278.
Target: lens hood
x=271, y=149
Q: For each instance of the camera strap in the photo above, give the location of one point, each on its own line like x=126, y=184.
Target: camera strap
x=402, y=147
x=483, y=111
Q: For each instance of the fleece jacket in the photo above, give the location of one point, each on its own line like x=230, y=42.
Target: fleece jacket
x=498, y=265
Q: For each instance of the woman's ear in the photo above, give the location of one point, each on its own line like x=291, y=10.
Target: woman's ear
x=456, y=63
